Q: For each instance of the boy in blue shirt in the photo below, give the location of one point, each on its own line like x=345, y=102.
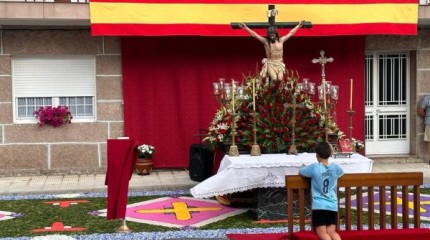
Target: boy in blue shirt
x=324, y=177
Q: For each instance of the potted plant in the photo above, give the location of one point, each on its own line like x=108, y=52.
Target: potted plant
x=54, y=116
x=358, y=145
x=144, y=161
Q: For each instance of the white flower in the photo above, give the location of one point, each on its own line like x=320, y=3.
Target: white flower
x=53, y=237
x=145, y=151
x=223, y=126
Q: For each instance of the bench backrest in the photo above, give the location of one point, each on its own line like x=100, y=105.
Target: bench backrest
x=358, y=184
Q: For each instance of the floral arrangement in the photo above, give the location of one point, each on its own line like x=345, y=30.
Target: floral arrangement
x=145, y=151
x=274, y=105
x=54, y=116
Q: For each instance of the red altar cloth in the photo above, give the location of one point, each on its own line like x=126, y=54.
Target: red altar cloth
x=121, y=156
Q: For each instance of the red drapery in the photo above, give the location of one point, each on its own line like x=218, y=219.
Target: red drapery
x=168, y=83
x=121, y=155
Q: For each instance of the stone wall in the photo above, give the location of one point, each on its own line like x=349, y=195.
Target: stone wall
x=74, y=148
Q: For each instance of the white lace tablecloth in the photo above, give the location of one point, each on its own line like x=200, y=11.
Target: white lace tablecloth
x=246, y=172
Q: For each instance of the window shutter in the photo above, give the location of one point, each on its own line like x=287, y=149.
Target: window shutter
x=54, y=76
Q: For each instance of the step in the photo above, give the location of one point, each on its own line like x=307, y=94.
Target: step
x=387, y=159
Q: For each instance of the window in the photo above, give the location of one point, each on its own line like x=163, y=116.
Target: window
x=53, y=81
x=78, y=106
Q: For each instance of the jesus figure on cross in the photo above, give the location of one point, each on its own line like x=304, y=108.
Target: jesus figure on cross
x=273, y=64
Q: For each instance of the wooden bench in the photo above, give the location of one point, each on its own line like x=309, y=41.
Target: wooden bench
x=359, y=184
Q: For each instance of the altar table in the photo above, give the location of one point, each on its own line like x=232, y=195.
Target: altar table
x=245, y=172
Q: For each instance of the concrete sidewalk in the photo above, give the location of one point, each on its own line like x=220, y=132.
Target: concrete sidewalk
x=177, y=179
x=157, y=180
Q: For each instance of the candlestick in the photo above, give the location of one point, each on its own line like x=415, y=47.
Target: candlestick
x=324, y=94
x=253, y=94
x=233, y=93
x=350, y=97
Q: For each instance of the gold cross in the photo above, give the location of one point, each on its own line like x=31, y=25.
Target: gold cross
x=294, y=105
x=181, y=210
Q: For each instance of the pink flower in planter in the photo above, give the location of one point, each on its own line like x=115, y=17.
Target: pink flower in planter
x=54, y=116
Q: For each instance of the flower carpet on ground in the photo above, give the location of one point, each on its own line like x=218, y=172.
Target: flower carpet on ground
x=171, y=205
x=178, y=212
x=424, y=208
x=5, y=215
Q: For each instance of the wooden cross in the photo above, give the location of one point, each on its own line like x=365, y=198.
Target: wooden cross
x=271, y=13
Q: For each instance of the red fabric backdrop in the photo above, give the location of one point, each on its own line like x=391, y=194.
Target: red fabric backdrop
x=168, y=83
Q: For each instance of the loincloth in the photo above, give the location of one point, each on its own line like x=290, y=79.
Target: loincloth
x=277, y=65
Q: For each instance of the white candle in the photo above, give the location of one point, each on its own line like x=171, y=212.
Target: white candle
x=350, y=96
x=216, y=88
x=253, y=94
x=240, y=92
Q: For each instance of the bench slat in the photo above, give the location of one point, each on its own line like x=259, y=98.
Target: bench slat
x=371, y=207
x=302, y=207
x=348, y=212
x=417, y=206
x=359, y=206
x=382, y=207
x=405, y=207
x=393, y=207
x=290, y=209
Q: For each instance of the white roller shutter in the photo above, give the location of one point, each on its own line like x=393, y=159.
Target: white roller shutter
x=54, y=76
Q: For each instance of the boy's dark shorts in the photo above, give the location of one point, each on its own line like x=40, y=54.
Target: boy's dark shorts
x=323, y=218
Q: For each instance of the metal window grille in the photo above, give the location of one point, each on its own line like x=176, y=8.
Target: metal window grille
x=368, y=127
x=392, y=76
x=368, y=77
x=392, y=126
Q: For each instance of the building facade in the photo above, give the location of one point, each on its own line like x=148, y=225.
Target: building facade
x=52, y=36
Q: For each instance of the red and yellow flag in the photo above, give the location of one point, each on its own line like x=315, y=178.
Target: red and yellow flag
x=213, y=17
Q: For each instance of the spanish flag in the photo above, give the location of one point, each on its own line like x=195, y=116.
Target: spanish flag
x=214, y=17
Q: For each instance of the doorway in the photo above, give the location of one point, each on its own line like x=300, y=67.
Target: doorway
x=386, y=103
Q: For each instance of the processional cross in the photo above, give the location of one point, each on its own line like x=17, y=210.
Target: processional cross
x=323, y=61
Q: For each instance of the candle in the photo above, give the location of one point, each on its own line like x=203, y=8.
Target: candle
x=240, y=92
x=227, y=88
x=233, y=93
x=350, y=96
x=253, y=94
x=216, y=88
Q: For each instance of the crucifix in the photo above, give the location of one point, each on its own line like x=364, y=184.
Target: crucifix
x=273, y=65
x=323, y=61
x=271, y=14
